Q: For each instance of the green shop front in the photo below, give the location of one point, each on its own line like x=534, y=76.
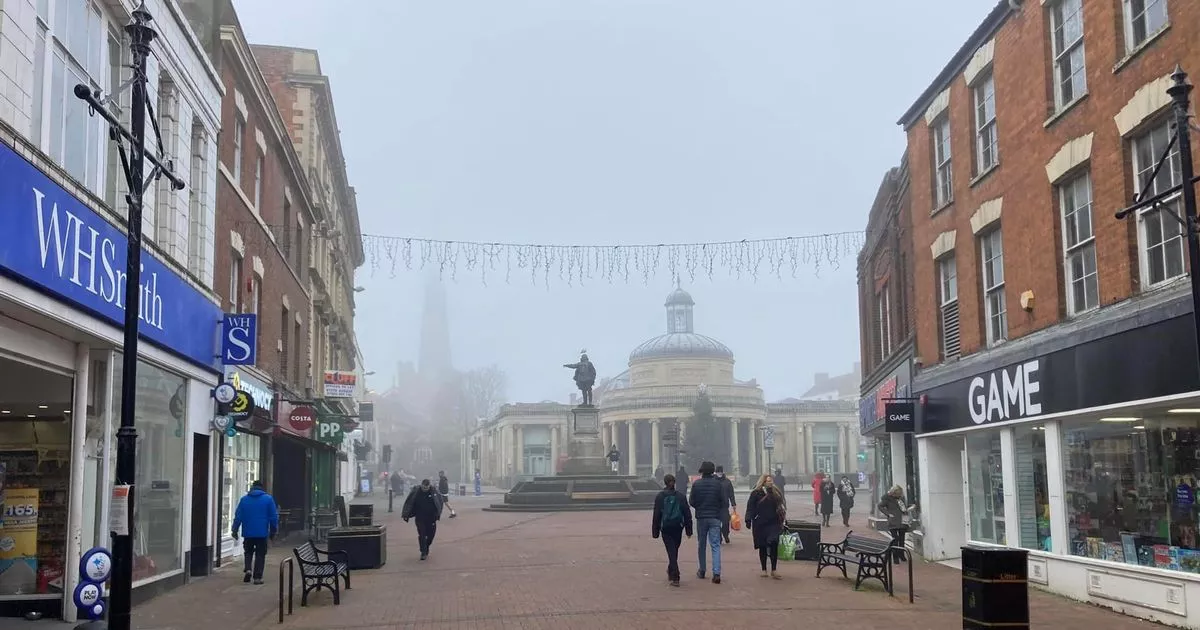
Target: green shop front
x=300, y=452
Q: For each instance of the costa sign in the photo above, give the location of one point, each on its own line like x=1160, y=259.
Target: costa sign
x=302, y=418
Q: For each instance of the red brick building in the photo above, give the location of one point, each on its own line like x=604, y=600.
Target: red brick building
x=1054, y=343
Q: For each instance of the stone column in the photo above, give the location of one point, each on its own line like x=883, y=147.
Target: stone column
x=519, y=447
x=655, y=446
x=554, y=429
x=735, y=460
x=631, y=456
x=752, y=448
x=798, y=436
x=809, y=445
x=841, y=460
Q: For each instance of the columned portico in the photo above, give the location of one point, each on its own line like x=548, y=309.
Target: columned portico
x=631, y=456
x=733, y=447
x=519, y=448
x=800, y=449
x=655, y=445
x=554, y=437
x=808, y=452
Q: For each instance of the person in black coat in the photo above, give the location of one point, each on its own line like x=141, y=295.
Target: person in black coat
x=424, y=504
x=828, y=491
x=728, y=485
x=681, y=479
x=845, y=494
x=765, y=513
x=671, y=524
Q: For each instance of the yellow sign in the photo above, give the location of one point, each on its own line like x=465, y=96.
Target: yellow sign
x=241, y=402
x=18, y=541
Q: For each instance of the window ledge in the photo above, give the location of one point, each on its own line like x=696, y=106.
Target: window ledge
x=982, y=176
x=1137, y=50
x=938, y=209
x=1064, y=110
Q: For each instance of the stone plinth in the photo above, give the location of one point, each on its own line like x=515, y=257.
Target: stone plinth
x=585, y=451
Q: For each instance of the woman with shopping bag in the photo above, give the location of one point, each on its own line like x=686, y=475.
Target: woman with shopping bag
x=765, y=514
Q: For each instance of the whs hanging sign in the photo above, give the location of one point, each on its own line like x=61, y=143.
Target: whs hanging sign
x=239, y=338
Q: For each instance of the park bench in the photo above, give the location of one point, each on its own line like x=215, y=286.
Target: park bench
x=872, y=555
x=316, y=573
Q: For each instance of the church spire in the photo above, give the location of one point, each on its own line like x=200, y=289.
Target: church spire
x=434, y=361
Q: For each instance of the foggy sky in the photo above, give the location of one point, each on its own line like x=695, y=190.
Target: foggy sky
x=618, y=121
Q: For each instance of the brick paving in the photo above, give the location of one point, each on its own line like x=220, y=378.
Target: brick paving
x=582, y=570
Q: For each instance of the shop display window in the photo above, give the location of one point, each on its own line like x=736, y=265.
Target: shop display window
x=35, y=474
x=162, y=443
x=240, y=468
x=883, y=469
x=986, y=485
x=1033, y=491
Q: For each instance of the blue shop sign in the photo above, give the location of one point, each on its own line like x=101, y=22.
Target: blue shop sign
x=55, y=243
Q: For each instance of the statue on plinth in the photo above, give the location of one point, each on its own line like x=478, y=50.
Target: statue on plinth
x=585, y=377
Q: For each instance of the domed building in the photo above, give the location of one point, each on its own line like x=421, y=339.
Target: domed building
x=655, y=395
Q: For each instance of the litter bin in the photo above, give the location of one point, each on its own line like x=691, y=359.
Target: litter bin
x=462, y=490
x=810, y=537
x=365, y=547
x=995, y=583
x=361, y=514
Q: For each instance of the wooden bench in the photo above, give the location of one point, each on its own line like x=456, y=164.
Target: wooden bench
x=872, y=555
x=316, y=573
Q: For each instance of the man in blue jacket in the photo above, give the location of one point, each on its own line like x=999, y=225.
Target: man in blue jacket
x=258, y=519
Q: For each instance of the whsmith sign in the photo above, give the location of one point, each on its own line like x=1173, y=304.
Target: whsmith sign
x=1136, y=364
x=56, y=244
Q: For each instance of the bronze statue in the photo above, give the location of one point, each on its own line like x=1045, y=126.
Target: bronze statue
x=585, y=377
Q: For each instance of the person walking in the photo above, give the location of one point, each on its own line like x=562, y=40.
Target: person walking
x=614, y=458
x=444, y=490
x=257, y=518
x=892, y=507
x=816, y=488
x=682, y=480
x=672, y=519
x=828, y=491
x=780, y=482
x=845, y=494
x=708, y=499
x=424, y=504
x=397, y=481
x=765, y=515
x=727, y=484
x=660, y=474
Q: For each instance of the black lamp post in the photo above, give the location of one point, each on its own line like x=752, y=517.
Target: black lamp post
x=1179, y=91
x=131, y=143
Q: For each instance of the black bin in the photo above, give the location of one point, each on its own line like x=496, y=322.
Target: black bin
x=365, y=547
x=810, y=538
x=361, y=514
x=462, y=490
x=995, y=582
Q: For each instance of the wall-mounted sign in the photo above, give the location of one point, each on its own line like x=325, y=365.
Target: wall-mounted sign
x=239, y=338
x=366, y=412
x=242, y=406
x=330, y=431
x=1135, y=364
x=55, y=243
x=340, y=384
x=302, y=418
x=259, y=391
x=900, y=417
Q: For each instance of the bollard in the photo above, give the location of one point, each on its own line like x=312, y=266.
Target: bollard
x=291, y=585
x=391, y=497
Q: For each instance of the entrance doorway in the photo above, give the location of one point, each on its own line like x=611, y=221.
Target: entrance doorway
x=201, y=550
x=825, y=463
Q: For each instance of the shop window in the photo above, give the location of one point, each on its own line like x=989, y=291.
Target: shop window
x=160, y=414
x=1033, y=492
x=35, y=471
x=1131, y=490
x=239, y=468
x=986, y=484
x=948, y=303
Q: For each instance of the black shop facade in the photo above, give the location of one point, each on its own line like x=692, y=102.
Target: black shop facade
x=1081, y=446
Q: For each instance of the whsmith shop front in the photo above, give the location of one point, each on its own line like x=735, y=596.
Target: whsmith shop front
x=61, y=313
x=1080, y=443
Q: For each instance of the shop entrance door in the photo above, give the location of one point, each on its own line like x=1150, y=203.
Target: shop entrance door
x=202, y=552
x=825, y=464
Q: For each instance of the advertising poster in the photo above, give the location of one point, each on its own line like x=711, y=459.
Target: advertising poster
x=18, y=541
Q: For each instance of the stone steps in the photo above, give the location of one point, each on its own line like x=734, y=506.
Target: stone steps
x=568, y=507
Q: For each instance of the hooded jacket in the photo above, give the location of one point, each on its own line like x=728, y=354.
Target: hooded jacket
x=256, y=515
x=425, y=505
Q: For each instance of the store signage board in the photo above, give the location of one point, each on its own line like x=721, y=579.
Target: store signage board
x=1145, y=362
x=340, y=384
x=330, y=432
x=239, y=339
x=242, y=406
x=258, y=391
x=302, y=418
x=366, y=412
x=900, y=417
x=55, y=243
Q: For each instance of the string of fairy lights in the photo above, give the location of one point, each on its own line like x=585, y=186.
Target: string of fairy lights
x=581, y=264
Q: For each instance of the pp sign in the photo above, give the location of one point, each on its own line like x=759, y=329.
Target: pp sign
x=239, y=336
x=329, y=432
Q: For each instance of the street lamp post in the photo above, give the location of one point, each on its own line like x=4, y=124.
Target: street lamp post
x=133, y=161
x=1179, y=91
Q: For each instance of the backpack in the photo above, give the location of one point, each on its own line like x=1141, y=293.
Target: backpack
x=672, y=516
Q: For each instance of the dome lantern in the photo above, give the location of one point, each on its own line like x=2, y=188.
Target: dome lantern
x=681, y=340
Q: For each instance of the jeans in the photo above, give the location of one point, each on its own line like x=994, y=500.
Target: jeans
x=255, y=550
x=672, y=538
x=425, y=534
x=709, y=530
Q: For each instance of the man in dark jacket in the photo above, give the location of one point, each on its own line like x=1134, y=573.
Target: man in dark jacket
x=708, y=499
x=672, y=518
x=257, y=517
x=728, y=485
x=444, y=490
x=425, y=505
